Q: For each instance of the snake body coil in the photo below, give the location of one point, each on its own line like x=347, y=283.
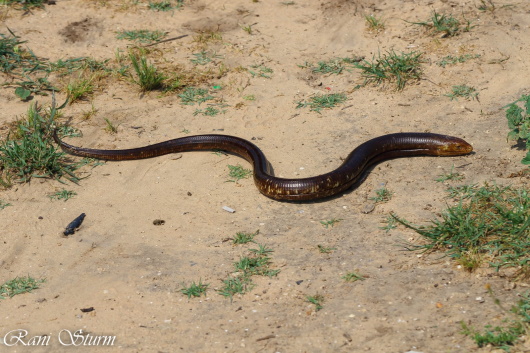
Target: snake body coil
x=317, y=187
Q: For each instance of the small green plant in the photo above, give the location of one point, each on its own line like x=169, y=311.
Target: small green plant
x=257, y=264
x=110, y=127
x=463, y=91
x=62, y=195
x=204, y=57
x=488, y=224
x=165, y=5
x=448, y=25
x=24, y=4
x=502, y=337
x=260, y=71
x=325, y=250
x=79, y=89
x=204, y=38
x=390, y=224
x=508, y=335
x=486, y=5
x=452, y=175
x=235, y=285
x=519, y=123
x=243, y=238
x=209, y=111
x=330, y=222
x=451, y=60
x=141, y=36
x=262, y=250
x=374, y=24
x=334, y=66
x=353, y=277
x=249, y=97
x=247, y=29
x=19, y=285
x=148, y=76
x=4, y=204
x=382, y=195
x=237, y=172
x=317, y=300
x=30, y=152
x=392, y=67
x=87, y=114
x=320, y=102
x=192, y=95
x=194, y=289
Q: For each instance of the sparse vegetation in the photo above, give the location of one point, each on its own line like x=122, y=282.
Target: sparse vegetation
x=317, y=300
x=325, y=250
x=62, y=195
x=330, y=222
x=204, y=57
x=374, y=23
x=243, y=238
x=353, y=277
x=79, y=89
x=452, y=175
x=4, y=204
x=257, y=264
x=24, y=4
x=390, y=224
x=382, y=195
x=141, y=36
x=447, y=25
x=209, y=111
x=317, y=103
x=110, y=127
x=166, y=5
x=519, y=123
x=148, y=76
x=194, y=290
x=192, y=95
x=487, y=225
x=392, y=67
x=260, y=71
x=452, y=60
x=29, y=152
x=463, y=91
x=237, y=172
x=514, y=326
x=19, y=285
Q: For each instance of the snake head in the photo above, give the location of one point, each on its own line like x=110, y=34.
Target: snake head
x=453, y=146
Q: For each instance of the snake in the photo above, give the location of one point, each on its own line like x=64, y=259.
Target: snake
x=350, y=172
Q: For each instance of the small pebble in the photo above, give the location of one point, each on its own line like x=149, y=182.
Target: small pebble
x=228, y=209
x=367, y=208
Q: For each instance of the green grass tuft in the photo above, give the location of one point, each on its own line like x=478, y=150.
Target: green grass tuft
x=141, y=36
x=31, y=153
x=392, y=67
x=148, y=77
x=19, y=285
x=519, y=123
x=488, y=224
x=194, y=290
x=463, y=91
x=320, y=102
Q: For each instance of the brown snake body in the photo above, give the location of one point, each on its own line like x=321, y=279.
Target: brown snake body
x=348, y=173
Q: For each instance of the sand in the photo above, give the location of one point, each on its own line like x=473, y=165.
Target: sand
x=131, y=271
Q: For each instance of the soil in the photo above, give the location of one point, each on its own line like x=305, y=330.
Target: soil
x=153, y=226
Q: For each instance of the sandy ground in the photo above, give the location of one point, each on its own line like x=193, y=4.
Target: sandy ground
x=131, y=271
